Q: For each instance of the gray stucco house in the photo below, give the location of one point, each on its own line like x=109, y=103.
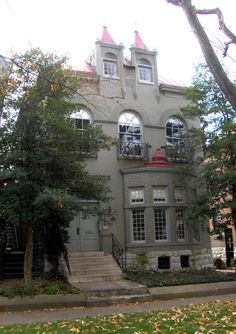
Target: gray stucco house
x=125, y=96
x=151, y=198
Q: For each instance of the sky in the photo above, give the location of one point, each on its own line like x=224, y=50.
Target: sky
x=71, y=27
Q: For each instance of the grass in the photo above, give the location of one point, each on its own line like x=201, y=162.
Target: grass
x=216, y=317
x=154, y=279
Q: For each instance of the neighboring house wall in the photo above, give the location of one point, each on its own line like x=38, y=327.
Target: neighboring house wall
x=109, y=96
x=224, y=244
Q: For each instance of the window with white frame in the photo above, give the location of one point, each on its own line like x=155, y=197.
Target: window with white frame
x=130, y=134
x=179, y=194
x=138, y=225
x=81, y=119
x=175, y=132
x=160, y=216
x=145, y=71
x=159, y=194
x=180, y=228
x=110, y=68
x=136, y=196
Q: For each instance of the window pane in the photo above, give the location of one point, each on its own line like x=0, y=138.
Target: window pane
x=110, y=68
x=81, y=119
x=179, y=194
x=160, y=194
x=130, y=134
x=180, y=230
x=138, y=225
x=160, y=224
x=175, y=131
x=144, y=74
x=78, y=123
x=137, y=196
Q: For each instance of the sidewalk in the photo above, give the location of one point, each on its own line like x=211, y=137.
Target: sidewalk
x=10, y=318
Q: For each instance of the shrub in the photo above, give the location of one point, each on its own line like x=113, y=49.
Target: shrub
x=219, y=263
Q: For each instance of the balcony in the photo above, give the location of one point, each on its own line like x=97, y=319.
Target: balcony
x=178, y=153
x=132, y=151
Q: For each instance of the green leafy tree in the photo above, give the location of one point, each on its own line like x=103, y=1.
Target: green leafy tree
x=42, y=172
x=216, y=168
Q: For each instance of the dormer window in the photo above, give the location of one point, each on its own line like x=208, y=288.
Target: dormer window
x=110, y=68
x=145, y=71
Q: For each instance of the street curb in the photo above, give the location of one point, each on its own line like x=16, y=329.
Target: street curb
x=193, y=290
x=76, y=300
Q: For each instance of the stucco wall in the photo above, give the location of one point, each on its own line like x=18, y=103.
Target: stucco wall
x=107, y=99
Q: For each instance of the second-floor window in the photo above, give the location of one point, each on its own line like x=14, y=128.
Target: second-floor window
x=81, y=119
x=130, y=134
x=175, y=132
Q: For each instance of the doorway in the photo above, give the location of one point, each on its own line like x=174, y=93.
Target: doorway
x=84, y=234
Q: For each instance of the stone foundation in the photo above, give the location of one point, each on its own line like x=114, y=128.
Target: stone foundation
x=219, y=252
x=177, y=260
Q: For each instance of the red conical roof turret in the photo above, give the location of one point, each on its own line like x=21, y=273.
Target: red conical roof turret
x=138, y=42
x=106, y=37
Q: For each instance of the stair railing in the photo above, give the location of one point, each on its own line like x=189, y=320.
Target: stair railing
x=117, y=252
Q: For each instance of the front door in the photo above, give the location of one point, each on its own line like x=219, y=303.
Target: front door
x=84, y=234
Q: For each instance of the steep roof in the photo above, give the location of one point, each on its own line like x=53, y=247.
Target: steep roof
x=138, y=42
x=106, y=37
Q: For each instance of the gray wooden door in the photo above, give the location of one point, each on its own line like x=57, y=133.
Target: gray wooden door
x=83, y=234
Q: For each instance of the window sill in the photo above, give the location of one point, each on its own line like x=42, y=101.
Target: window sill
x=146, y=82
x=110, y=77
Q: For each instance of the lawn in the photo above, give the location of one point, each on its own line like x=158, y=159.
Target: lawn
x=216, y=317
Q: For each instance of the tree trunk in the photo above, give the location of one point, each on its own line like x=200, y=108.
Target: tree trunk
x=210, y=56
x=28, y=258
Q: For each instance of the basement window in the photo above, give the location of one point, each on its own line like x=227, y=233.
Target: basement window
x=164, y=262
x=184, y=261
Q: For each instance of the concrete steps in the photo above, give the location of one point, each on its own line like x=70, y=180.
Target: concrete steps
x=115, y=300
x=93, y=267
x=114, y=292
x=100, y=278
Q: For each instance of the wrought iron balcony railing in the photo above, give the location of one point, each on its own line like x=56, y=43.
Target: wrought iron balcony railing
x=132, y=151
x=178, y=154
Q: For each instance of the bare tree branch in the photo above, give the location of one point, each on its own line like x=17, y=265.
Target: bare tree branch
x=222, y=25
x=175, y=2
x=226, y=86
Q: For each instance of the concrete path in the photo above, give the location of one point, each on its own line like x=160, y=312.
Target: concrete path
x=9, y=318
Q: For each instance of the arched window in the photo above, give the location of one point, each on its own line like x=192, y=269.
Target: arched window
x=145, y=71
x=81, y=119
x=175, y=131
x=110, y=68
x=130, y=134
